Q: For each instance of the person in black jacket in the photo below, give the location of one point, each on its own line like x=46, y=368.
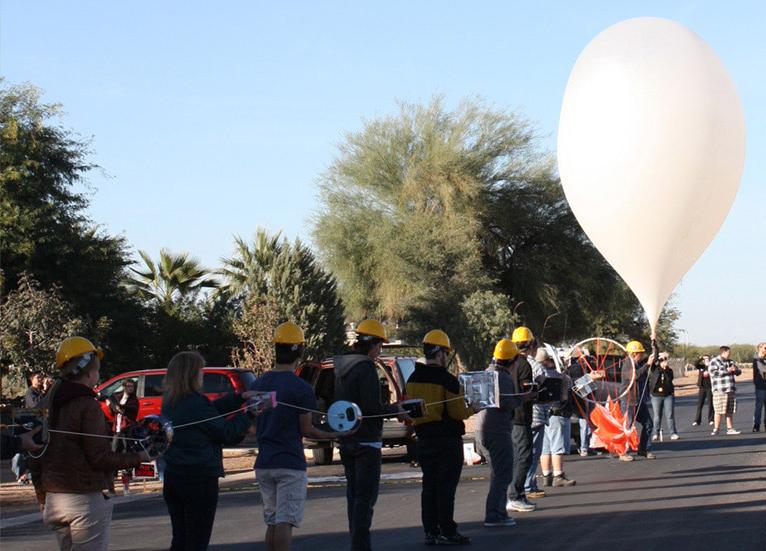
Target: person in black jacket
x=759, y=380
x=356, y=380
x=440, y=439
x=663, y=402
x=521, y=372
x=11, y=444
x=195, y=460
x=705, y=391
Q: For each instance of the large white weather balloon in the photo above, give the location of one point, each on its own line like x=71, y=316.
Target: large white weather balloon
x=651, y=147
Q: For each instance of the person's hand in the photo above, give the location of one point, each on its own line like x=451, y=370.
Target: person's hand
x=650, y=360
x=403, y=415
x=28, y=443
x=597, y=374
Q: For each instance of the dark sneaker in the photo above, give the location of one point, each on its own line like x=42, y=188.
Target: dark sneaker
x=454, y=539
x=430, y=539
x=756, y=429
x=499, y=523
x=535, y=494
x=562, y=480
x=548, y=479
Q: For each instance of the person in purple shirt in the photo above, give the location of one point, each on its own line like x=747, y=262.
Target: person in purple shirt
x=280, y=467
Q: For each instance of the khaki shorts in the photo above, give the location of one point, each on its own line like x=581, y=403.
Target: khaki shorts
x=283, y=492
x=81, y=521
x=724, y=403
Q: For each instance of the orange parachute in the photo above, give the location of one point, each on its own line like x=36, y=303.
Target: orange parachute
x=613, y=429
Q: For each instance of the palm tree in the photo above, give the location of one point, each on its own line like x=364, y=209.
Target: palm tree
x=174, y=278
x=250, y=268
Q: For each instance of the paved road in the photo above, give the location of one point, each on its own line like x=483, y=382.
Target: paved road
x=700, y=493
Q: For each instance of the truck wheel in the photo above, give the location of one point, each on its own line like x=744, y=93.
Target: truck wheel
x=322, y=456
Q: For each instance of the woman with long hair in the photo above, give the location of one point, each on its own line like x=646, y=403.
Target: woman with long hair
x=194, y=461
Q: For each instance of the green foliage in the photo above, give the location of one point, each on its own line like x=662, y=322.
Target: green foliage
x=45, y=233
x=423, y=209
x=485, y=320
x=287, y=273
x=740, y=353
x=33, y=322
x=170, y=283
x=254, y=329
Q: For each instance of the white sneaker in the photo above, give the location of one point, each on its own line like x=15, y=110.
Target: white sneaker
x=674, y=436
x=654, y=437
x=695, y=424
x=733, y=431
x=714, y=433
x=520, y=505
x=711, y=423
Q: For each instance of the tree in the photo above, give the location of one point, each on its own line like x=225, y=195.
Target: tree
x=254, y=329
x=33, y=322
x=174, y=279
x=44, y=231
x=425, y=208
x=485, y=318
x=287, y=273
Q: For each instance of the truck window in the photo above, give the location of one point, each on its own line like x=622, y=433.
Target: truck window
x=153, y=385
x=216, y=383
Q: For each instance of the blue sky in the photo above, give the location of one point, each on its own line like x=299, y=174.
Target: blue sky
x=212, y=118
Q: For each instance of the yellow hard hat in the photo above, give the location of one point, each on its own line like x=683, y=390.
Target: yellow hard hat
x=522, y=334
x=634, y=346
x=505, y=349
x=288, y=333
x=437, y=337
x=74, y=347
x=372, y=328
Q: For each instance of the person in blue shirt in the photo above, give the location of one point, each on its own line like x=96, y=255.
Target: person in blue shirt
x=280, y=467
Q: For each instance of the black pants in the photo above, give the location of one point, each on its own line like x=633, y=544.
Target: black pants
x=522, y=458
x=705, y=393
x=191, y=502
x=441, y=460
x=362, y=467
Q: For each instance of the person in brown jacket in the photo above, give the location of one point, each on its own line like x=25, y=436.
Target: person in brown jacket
x=73, y=471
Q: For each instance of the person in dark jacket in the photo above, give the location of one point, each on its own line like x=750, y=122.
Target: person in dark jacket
x=759, y=380
x=12, y=444
x=194, y=462
x=36, y=391
x=663, y=400
x=634, y=380
x=521, y=371
x=73, y=471
x=493, y=436
x=705, y=391
x=356, y=380
x=33, y=398
x=440, y=439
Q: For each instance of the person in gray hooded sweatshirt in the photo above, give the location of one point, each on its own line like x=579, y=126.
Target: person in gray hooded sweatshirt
x=356, y=380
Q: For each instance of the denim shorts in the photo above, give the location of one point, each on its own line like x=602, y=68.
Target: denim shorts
x=557, y=436
x=283, y=492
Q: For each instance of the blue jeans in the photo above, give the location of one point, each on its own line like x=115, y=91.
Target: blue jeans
x=362, y=467
x=584, y=434
x=760, y=406
x=640, y=414
x=497, y=449
x=663, y=406
x=538, y=435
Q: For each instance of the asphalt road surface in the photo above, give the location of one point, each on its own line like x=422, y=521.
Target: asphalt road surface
x=700, y=493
